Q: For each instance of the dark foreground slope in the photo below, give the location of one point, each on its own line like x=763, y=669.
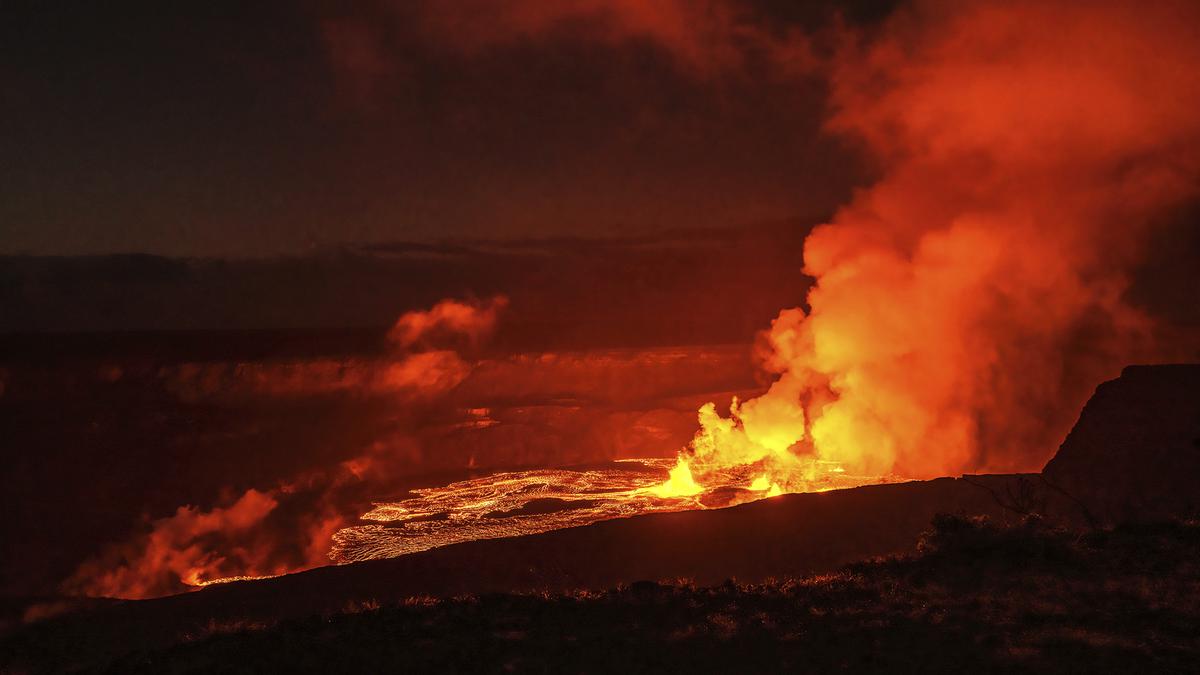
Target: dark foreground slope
x=1023, y=598
x=788, y=536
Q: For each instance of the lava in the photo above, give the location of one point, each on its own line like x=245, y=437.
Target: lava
x=962, y=306
x=530, y=502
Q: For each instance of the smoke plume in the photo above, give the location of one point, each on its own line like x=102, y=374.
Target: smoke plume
x=289, y=527
x=968, y=301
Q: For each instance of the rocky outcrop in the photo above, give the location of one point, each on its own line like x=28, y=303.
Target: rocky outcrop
x=1134, y=454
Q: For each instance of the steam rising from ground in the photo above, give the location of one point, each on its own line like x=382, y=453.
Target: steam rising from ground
x=968, y=301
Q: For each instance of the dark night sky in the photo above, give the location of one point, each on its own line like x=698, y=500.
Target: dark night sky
x=240, y=129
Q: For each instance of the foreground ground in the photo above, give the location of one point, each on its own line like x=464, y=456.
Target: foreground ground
x=1028, y=598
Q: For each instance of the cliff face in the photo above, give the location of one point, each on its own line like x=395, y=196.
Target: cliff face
x=1134, y=454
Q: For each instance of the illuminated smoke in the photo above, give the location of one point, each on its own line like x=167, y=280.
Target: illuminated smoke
x=176, y=551
x=448, y=320
x=967, y=302
x=289, y=527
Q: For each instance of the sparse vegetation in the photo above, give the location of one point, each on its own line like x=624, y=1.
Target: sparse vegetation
x=1029, y=598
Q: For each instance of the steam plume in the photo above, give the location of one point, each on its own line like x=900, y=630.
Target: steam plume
x=968, y=301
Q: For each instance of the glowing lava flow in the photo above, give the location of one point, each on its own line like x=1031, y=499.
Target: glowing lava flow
x=505, y=505
x=195, y=580
x=529, y=502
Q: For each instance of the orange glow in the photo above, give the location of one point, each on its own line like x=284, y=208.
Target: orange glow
x=511, y=504
x=174, y=552
x=194, y=579
x=238, y=540
x=966, y=303
x=529, y=502
x=680, y=484
x=451, y=319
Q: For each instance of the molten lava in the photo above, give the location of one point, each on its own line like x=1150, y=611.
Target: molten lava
x=766, y=436
x=507, y=505
x=529, y=502
x=680, y=483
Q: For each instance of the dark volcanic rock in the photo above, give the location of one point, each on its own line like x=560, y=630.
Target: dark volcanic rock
x=1134, y=454
x=784, y=537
